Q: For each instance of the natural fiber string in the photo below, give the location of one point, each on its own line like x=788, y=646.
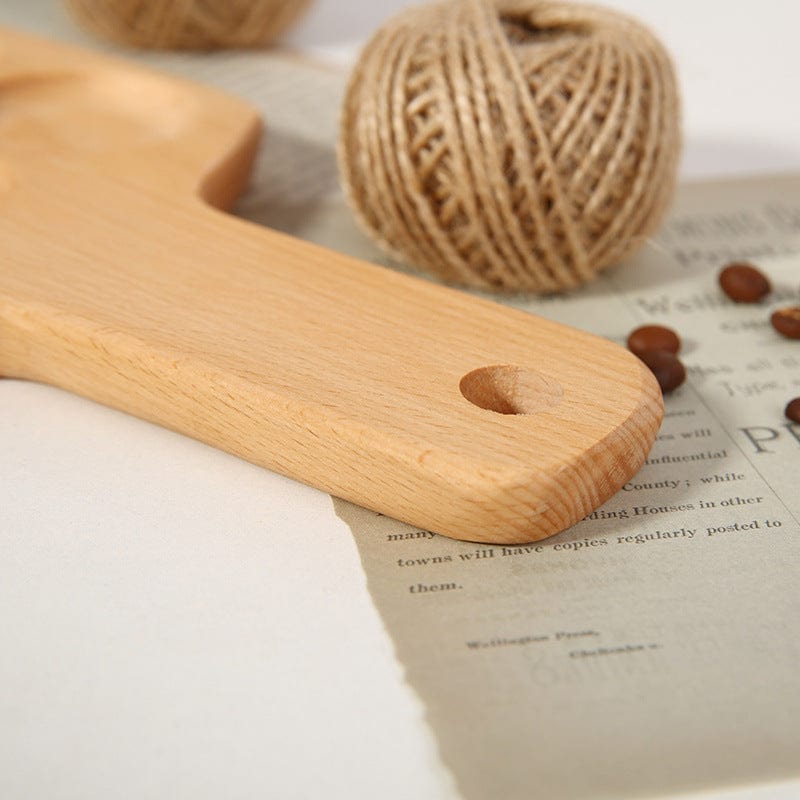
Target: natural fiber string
x=512, y=144
x=188, y=24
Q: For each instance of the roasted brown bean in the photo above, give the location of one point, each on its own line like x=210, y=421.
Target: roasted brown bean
x=653, y=337
x=787, y=321
x=667, y=367
x=744, y=283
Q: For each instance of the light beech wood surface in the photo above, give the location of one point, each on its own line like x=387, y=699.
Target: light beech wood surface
x=122, y=282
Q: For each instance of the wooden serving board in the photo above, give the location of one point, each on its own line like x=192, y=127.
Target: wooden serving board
x=121, y=280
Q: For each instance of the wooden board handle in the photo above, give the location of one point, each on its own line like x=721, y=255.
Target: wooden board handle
x=451, y=413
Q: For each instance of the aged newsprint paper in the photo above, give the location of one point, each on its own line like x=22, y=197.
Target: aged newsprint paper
x=652, y=648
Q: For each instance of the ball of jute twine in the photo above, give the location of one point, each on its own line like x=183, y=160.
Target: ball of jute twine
x=510, y=144
x=188, y=24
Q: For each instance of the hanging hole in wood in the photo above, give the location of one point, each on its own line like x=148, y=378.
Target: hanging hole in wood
x=507, y=389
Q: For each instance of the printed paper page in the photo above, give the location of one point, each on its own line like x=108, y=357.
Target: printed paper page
x=651, y=648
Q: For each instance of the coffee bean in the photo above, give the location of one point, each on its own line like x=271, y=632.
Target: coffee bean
x=653, y=337
x=667, y=367
x=792, y=410
x=787, y=321
x=743, y=283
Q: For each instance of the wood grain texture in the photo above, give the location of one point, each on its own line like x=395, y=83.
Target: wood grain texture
x=121, y=283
